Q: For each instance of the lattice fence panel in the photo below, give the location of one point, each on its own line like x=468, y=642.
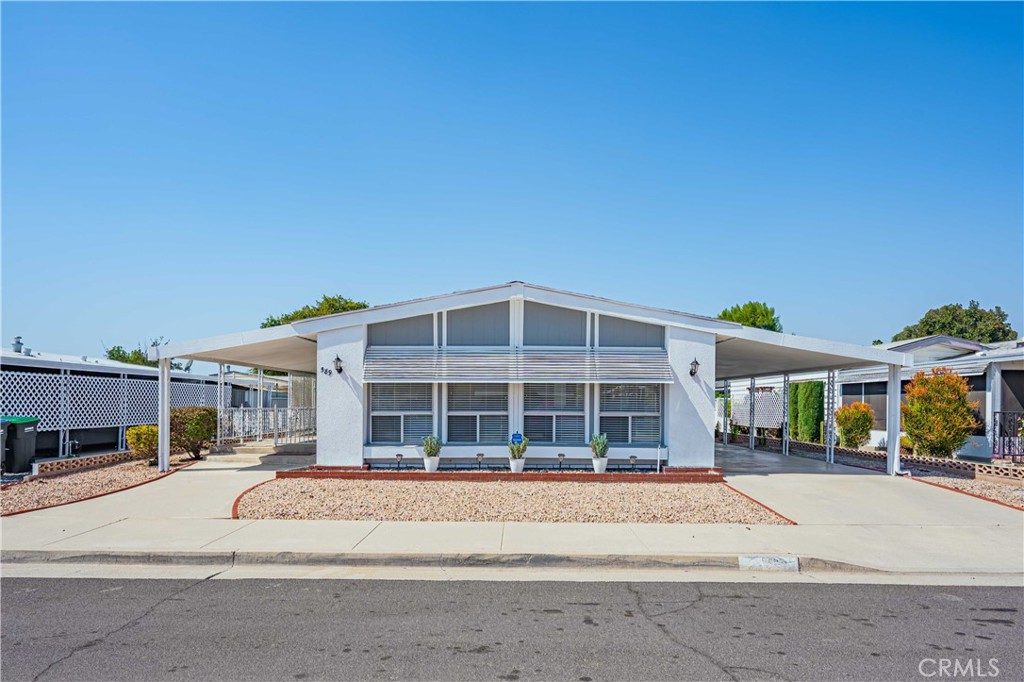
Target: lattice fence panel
x=32, y=394
x=94, y=401
x=768, y=408
x=141, y=397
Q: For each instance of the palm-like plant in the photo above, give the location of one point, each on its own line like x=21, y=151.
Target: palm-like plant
x=517, y=450
x=599, y=445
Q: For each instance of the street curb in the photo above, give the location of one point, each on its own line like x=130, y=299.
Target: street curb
x=93, y=497
x=745, y=563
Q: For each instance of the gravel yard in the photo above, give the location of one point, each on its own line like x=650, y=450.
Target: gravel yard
x=302, y=498
x=1001, y=492
x=45, y=492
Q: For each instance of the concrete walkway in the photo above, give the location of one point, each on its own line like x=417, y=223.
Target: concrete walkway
x=844, y=514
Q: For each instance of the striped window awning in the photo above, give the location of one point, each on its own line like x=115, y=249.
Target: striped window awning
x=459, y=365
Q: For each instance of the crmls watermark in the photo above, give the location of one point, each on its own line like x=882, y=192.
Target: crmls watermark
x=957, y=668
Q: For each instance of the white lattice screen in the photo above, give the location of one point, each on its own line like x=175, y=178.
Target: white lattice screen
x=768, y=408
x=73, y=401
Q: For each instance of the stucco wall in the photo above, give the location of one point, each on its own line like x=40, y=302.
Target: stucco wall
x=690, y=408
x=340, y=424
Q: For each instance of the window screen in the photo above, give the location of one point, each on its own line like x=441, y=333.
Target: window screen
x=477, y=413
x=401, y=413
x=554, y=413
x=631, y=413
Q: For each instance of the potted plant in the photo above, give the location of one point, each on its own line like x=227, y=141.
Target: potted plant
x=516, y=452
x=431, y=453
x=599, y=446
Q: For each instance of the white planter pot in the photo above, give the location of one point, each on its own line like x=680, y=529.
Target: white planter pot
x=600, y=464
x=430, y=464
x=517, y=464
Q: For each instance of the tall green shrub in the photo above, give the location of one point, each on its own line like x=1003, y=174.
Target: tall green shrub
x=794, y=410
x=811, y=410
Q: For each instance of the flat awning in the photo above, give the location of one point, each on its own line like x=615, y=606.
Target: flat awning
x=515, y=365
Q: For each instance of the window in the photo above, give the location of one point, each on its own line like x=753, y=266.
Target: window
x=553, y=413
x=631, y=413
x=477, y=413
x=401, y=413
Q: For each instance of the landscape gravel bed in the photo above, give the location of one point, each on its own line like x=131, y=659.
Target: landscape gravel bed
x=1001, y=492
x=78, y=485
x=355, y=500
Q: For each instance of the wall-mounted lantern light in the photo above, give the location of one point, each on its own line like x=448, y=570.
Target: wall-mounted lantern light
x=337, y=364
x=694, y=366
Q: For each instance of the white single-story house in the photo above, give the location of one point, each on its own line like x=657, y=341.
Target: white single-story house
x=475, y=367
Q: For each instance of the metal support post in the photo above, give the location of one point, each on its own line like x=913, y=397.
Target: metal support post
x=892, y=420
x=164, y=416
x=785, y=414
x=220, y=402
x=753, y=387
x=830, y=417
x=727, y=400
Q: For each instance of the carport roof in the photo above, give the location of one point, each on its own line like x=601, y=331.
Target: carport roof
x=741, y=352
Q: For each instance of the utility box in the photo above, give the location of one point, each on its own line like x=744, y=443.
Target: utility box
x=21, y=443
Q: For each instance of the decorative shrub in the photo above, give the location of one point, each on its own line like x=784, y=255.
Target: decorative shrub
x=937, y=416
x=431, y=446
x=810, y=411
x=517, y=450
x=794, y=410
x=854, y=421
x=143, y=441
x=193, y=428
x=599, y=445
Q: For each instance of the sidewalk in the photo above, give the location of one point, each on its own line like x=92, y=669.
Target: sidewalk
x=867, y=520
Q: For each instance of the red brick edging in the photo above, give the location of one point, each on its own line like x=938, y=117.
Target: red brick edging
x=964, y=492
x=709, y=475
x=93, y=497
x=761, y=504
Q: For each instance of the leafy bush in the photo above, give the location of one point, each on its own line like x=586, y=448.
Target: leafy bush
x=854, y=422
x=193, y=428
x=431, y=446
x=517, y=450
x=143, y=441
x=599, y=445
x=937, y=416
x=810, y=411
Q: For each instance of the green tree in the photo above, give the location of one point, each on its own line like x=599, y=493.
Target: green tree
x=753, y=314
x=811, y=411
x=137, y=355
x=973, y=322
x=327, y=305
x=794, y=410
x=937, y=415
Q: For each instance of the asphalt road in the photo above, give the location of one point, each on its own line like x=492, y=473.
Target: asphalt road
x=81, y=629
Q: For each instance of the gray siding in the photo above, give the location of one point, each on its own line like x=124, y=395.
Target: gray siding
x=409, y=331
x=484, y=325
x=1013, y=391
x=619, y=332
x=548, y=325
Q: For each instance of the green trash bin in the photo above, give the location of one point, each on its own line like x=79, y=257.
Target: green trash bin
x=21, y=435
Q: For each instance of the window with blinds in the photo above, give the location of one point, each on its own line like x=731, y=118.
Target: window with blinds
x=631, y=413
x=554, y=413
x=401, y=413
x=477, y=413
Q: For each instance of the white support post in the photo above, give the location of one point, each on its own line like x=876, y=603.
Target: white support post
x=785, y=414
x=726, y=405
x=220, y=402
x=993, y=402
x=753, y=387
x=275, y=426
x=164, y=416
x=892, y=421
x=261, y=428
x=830, y=417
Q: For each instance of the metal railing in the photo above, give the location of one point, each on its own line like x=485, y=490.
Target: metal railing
x=1008, y=435
x=282, y=424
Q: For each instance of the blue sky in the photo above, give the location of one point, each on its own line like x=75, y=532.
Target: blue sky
x=186, y=169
